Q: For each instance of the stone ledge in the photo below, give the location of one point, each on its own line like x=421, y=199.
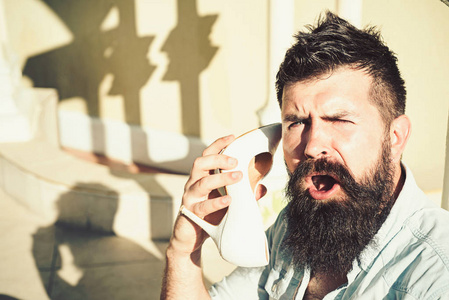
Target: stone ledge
x=63, y=188
x=128, y=143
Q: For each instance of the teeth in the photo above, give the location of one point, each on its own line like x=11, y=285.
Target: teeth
x=321, y=187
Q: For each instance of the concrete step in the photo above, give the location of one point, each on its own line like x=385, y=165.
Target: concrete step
x=63, y=188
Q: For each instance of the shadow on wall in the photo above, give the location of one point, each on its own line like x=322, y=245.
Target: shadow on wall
x=78, y=69
x=6, y=297
x=189, y=51
x=82, y=263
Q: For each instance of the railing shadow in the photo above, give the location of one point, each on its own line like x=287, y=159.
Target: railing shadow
x=78, y=69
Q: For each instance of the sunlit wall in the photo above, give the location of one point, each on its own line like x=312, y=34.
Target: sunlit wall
x=199, y=67
x=187, y=66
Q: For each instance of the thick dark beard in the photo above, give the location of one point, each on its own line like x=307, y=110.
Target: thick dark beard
x=327, y=236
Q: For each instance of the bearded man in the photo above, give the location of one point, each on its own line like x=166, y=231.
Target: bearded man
x=356, y=225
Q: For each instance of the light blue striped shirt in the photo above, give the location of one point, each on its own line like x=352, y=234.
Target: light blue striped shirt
x=410, y=261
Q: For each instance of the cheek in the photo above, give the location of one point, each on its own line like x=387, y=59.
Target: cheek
x=289, y=160
x=292, y=152
x=360, y=152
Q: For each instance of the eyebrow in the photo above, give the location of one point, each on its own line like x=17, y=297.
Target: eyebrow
x=332, y=116
x=338, y=115
x=293, y=118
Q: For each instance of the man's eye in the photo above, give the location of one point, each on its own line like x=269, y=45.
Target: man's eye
x=297, y=123
x=343, y=121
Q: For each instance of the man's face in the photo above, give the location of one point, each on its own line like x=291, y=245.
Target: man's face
x=331, y=117
x=341, y=175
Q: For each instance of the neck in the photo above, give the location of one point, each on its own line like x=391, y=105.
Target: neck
x=399, y=180
x=322, y=283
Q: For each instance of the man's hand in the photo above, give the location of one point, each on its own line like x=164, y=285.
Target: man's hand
x=183, y=276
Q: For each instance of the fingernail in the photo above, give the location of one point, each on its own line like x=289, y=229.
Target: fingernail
x=236, y=175
x=232, y=161
x=225, y=199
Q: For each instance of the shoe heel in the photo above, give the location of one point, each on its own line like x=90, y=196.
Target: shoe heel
x=209, y=228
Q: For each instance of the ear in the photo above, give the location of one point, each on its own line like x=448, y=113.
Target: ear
x=399, y=133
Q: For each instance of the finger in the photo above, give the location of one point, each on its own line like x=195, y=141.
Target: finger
x=203, y=187
x=210, y=160
x=204, y=164
x=208, y=207
x=219, y=145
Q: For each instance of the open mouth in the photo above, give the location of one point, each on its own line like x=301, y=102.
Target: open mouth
x=322, y=186
x=323, y=182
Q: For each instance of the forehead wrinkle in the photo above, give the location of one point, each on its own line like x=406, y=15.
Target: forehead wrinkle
x=291, y=107
x=322, y=111
x=303, y=99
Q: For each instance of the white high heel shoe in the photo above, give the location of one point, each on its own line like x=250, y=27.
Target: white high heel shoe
x=240, y=236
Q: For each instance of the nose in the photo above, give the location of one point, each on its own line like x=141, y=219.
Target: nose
x=317, y=142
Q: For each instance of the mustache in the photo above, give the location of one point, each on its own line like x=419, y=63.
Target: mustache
x=323, y=166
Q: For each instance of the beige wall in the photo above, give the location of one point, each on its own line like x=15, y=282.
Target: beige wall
x=418, y=32
x=151, y=63
x=138, y=61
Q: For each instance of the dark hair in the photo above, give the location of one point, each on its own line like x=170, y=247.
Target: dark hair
x=335, y=43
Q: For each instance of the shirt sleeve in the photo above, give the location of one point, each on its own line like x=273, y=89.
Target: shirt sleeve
x=242, y=283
